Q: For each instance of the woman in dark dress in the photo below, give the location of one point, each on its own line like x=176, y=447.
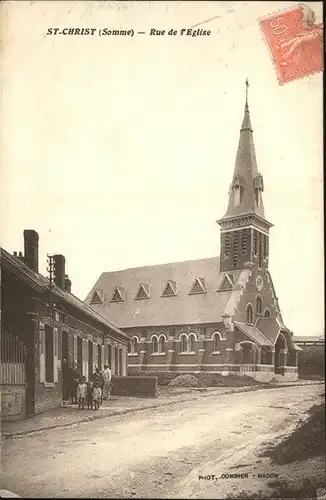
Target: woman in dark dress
x=74, y=378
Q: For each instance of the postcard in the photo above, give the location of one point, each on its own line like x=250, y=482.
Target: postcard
x=162, y=298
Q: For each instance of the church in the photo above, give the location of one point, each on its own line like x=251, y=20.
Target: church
x=218, y=315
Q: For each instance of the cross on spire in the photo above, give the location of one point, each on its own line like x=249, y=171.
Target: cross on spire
x=247, y=86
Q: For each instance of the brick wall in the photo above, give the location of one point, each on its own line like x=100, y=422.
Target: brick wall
x=134, y=386
x=267, y=294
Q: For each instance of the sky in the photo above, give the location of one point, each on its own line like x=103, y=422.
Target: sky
x=119, y=151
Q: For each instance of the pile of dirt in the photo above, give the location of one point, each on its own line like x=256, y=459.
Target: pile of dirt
x=185, y=381
x=218, y=380
x=306, y=441
x=206, y=379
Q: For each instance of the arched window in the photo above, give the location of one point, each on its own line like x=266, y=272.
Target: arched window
x=191, y=343
x=129, y=347
x=250, y=314
x=183, y=343
x=259, y=305
x=134, y=346
x=216, y=342
x=154, y=344
x=161, y=344
x=267, y=313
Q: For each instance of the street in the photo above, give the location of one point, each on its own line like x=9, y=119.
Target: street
x=157, y=453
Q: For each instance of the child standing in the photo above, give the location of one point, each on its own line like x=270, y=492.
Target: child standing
x=90, y=395
x=97, y=395
x=81, y=392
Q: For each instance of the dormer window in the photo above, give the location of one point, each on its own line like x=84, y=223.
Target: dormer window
x=258, y=187
x=198, y=286
x=258, y=197
x=97, y=297
x=237, y=188
x=170, y=289
x=118, y=294
x=237, y=194
x=143, y=292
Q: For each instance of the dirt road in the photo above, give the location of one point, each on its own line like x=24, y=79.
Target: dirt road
x=157, y=453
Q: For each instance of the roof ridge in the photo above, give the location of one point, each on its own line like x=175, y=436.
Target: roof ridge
x=43, y=281
x=161, y=265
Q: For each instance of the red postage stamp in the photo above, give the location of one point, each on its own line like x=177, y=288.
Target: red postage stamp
x=295, y=41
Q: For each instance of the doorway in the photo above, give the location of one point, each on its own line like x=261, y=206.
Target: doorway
x=80, y=355
x=116, y=361
x=279, y=356
x=64, y=348
x=120, y=362
x=90, y=359
x=99, y=356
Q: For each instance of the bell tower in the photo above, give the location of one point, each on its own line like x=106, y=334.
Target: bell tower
x=244, y=229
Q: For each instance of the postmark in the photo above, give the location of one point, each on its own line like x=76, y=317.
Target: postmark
x=295, y=42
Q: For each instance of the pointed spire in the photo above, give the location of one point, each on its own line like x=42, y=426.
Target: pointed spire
x=246, y=124
x=245, y=195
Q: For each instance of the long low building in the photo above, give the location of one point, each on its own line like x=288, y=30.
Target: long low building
x=42, y=324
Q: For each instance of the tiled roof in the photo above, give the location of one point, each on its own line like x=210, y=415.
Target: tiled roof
x=182, y=309
x=38, y=279
x=269, y=327
x=254, y=333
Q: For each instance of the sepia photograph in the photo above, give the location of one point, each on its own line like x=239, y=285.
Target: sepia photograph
x=162, y=250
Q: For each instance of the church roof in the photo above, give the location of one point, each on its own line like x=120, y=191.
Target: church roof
x=245, y=174
x=254, y=333
x=270, y=327
x=196, y=300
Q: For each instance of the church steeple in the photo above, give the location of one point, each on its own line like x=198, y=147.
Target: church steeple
x=245, y=208
x=245, y=194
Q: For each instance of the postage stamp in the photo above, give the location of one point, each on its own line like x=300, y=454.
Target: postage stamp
x=295, y=42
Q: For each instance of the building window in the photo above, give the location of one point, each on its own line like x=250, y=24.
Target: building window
x=260, y=253
x=161, y=344
x=118, y=295
x=191, y=342
x=198, y=286
x=226, y=284
x=216, y=342
x=250, y=314
x=134, y=346
x=170, y=289
x=154, y=344
x=255, y=242
x=244, y=242
x=265, y=246
x=227, y=245
x=183, y=343
x=97, y=297
x=259, y=305
x=143, y=292
x=267, y=313
x=49, y=360
x=258, y=197
x=235, y=248
x=129, y=347
x=237, y=194
x=99, y=356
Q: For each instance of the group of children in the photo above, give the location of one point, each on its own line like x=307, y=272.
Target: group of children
x=89, y=393
x=95, y=390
